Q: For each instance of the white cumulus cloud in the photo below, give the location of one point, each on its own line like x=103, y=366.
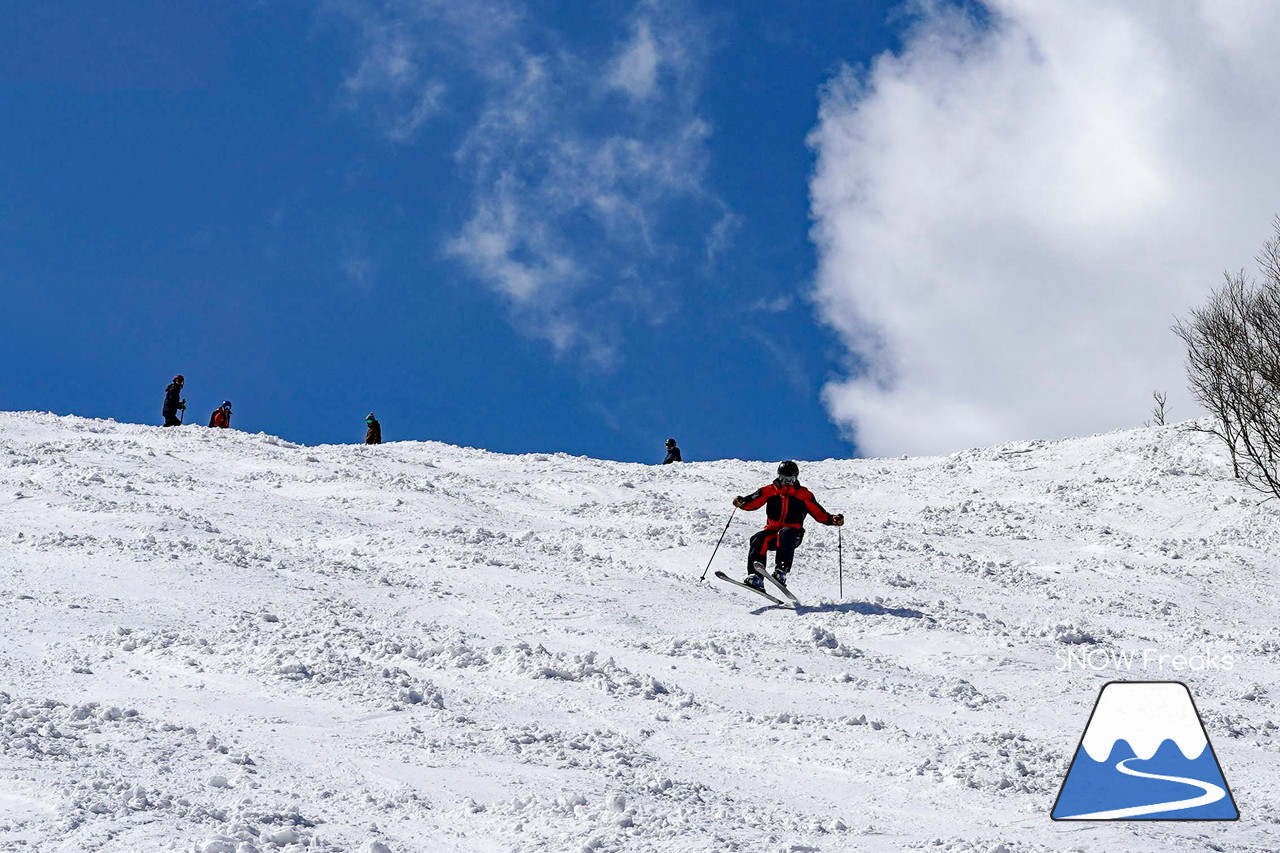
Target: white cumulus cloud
x=1010, y=211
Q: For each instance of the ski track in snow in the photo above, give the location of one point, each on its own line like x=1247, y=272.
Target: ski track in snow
x=227, y=643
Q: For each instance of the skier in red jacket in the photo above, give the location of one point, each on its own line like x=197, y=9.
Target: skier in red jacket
x=786, y=503
x=221, y=417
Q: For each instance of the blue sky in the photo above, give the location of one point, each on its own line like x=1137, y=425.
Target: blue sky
x=804, y=230
x=573, y=227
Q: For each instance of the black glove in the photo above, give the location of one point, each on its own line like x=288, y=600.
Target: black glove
x=837, y=520
x=182, y=405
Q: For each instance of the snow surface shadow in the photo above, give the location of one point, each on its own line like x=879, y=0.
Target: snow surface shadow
x=865, y=608
x=766, y=608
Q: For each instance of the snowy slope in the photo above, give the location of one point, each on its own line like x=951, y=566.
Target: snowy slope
x=215, y=641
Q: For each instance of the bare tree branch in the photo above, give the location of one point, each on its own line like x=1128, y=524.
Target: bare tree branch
x=1233, y=367
x=1157, y=413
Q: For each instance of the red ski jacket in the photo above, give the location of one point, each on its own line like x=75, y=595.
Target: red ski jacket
x=787, y=506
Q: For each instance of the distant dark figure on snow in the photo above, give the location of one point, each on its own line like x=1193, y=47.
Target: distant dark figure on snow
x=786, y=504
x=221, y=416
x=173, y=402
x=673, y=452
x=373, y=430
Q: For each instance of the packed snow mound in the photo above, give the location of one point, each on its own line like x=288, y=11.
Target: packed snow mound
x=215, y=641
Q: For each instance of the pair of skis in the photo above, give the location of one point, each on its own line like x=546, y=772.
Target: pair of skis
x=760, y=570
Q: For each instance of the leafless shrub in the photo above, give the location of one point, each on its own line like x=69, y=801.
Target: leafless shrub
x=1233, y=367
x=1157, y=413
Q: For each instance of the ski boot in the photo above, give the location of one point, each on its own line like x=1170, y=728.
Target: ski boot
x=755, y=577
x=780, y=575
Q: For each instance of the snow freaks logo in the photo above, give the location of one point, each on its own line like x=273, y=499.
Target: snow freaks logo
x=1145, y=755
x=1099, y=660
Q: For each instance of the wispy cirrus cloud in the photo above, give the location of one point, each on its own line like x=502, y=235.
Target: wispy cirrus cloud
x=587, y=161
x=720, y=238
x=635, y=69
x=359, y=271
x=397, y=76
x=1010, y=211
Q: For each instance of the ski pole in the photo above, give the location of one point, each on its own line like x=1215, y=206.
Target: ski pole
x=840, y=557
x=717, y=548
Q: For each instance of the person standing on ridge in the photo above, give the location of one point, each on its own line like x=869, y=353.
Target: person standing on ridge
x=673, y=452
x=173, y=402
x=373, y=430
x=786, y=504
x=221, y=417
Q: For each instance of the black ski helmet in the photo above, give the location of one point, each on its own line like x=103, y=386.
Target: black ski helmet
x=179, y=379
x=788, y=469
x=671, y=442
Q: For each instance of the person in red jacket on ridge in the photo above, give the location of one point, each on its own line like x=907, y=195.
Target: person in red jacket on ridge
x=221, y=417
x=786, y=503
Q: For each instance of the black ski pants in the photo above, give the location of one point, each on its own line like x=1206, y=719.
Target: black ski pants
x=782, y=541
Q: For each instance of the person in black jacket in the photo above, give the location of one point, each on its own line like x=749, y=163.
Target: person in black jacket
x=673, y=452
x=373, y=430
x=173, y=402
